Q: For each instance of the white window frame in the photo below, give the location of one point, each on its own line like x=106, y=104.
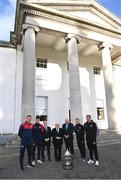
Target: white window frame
x=42, y=109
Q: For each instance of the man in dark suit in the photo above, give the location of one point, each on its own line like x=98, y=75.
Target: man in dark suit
x=57, y=135
x=47, y=139
x=68, y=135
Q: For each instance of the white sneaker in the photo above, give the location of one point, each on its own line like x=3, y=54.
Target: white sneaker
x=33, y=163
x=90, y=161
x=39, y=161
x=83, y=160
x=97, y=163
x=30, y=166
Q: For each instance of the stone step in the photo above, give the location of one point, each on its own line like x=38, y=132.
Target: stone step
x=16, y=144
x=103, y=138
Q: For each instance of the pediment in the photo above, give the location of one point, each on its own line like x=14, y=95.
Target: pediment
x=87, y=10
x=95, y=18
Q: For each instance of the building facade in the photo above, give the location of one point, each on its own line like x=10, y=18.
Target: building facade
x=63, y=60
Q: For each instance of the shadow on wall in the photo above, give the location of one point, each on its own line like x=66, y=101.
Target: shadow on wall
x=111, y=102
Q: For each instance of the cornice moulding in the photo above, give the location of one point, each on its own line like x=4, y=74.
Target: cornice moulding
x=61, y=17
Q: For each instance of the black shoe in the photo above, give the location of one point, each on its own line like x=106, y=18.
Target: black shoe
x=43, y=160
x=49, y=160
x=22, y=168
x=30, y=166
x=56, y=159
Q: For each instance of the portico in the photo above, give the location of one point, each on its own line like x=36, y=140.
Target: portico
x=67, y=32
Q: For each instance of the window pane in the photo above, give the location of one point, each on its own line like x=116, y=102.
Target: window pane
x=67, y=66
x=41, y=103
x=97, y=70
x=44, y=65
x=100, y=113
x=41, y=63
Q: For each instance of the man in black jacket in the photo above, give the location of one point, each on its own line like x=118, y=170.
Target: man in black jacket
x=68, y=135
x=79, y=130
x=38, y=140
x=57, y=135
x=47, y=139
x=91, y=134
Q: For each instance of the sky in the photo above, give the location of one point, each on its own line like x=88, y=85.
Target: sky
x=7, y=14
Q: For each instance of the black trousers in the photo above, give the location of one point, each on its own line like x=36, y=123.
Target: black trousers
x=47, y=144
x=92, y=146
x=57, y=151
x=39, y=150
x=81, y=146
x=69, y=145
x=22, y=151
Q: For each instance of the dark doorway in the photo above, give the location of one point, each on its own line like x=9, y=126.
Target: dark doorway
x=43, y=117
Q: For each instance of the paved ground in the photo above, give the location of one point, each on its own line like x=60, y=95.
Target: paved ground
x=110, y=166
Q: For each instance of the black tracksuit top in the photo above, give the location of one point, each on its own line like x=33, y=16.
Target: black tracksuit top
x=38, y=133
x=79, y=130
x=91, y=130
x=25, y=133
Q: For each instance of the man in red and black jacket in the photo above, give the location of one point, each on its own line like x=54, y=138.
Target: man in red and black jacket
x=25, y=134
x=38, y=140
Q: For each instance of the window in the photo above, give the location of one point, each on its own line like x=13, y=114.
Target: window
x=41, y=63
x=43, y=117
x=42, y=105
x=67, y=66
x=69, y=114
x=97, y=70
x=100, y=113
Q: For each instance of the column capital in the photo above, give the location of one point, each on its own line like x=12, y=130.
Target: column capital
x=27, y=26
x=104, y=45
x=70, y=36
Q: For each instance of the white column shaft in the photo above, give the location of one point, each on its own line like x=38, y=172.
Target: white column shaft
x=109, y=89
x=28, y=93
x=74, y=80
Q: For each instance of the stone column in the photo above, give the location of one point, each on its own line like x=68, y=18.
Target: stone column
x=29, y=67
x=74, y=78
x=109, y=83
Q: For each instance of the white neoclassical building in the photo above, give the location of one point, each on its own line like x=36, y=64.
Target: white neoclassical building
x=63, y=60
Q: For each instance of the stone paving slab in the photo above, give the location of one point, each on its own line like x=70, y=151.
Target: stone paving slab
x=110, y=166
